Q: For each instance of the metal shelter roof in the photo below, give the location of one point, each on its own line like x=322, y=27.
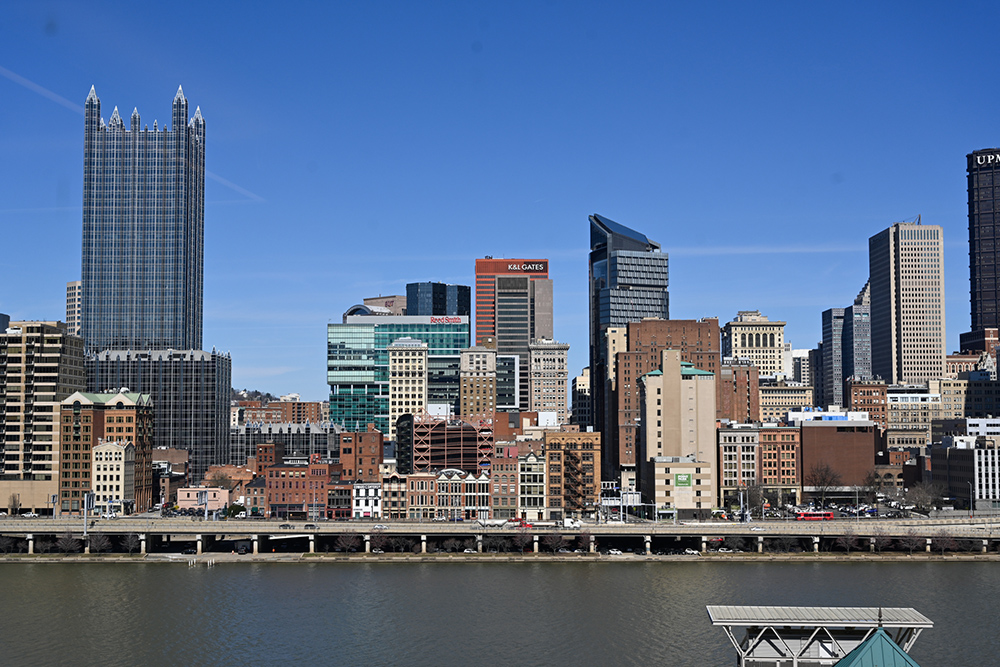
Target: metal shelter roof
x=858, y=617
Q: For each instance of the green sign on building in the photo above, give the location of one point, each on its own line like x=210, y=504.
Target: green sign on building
x=682, y=479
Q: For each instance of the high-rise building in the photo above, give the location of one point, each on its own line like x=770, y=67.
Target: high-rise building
x=143, y=230
x=190, y=390
x=549, y=378
x=737, y=391
x=74, y=307
x=438, y=299
x=479, y=382
x=832, y=391
x=753, y=336
x=857, y=338
x=983, y=170
x=4, y=322
x=628, y=281
x=407, y=380
x=906, y=271
x=40, y=365
x=581, y=399
x=514, y=306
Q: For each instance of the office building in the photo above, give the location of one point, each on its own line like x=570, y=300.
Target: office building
x=801, y=372
x=869, y=396
x=438, y=443
x=574, y=473
x=832, y=391
x=361, y=453
x=549, y=378
x=856, y=341
x=753, y=336
x=479, y=382
x=676, y=448
x=508, y=383
x=779, y=397
x=629, y=280
x=190, y=389
x=514, y=306
x=407, y=380
x=74, y=307
x=438, y=299
x=143, y=230
x=115, y=420
x=4, y=322
x=40, y=365
x=906, y=271
x=635, y=350
x=299, y=440
x=358, y=364
x=582, y=416
x=394, y=304
x=113, y=476
x=737, y=392
x=983, y=171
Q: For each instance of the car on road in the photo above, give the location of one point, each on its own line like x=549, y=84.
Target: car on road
x=756, y=528
x=379, y=526
x=377, y=551
x=564, y=551
x=242, y=550
x=30, y=515
x=691, y=552
x=469, y=551
x=614, y=552
x=190, y=551
x=724, y=550
x=310, y=526
x=109, y=515
x=285, y=525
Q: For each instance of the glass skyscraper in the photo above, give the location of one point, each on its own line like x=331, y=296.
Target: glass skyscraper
x=358, y=364
x=143, y=230
x=438, y=299
x=628, y=281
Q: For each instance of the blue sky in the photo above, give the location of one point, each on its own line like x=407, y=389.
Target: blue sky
x=356, y=147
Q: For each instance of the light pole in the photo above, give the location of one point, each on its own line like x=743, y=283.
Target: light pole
x=972, y=503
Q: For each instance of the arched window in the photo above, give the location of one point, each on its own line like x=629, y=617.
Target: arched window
x=757, y=340
x=743, y=340
x=772, y=340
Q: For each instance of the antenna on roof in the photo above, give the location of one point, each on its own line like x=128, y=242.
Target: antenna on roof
x=880, y=616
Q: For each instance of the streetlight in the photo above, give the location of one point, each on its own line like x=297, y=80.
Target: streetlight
x=972, y=503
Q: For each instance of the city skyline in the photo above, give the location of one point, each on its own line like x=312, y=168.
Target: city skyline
x=294, y=226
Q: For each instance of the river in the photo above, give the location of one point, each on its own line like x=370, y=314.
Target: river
x=459, y=613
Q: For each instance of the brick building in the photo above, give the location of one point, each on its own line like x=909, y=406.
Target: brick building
x=737, y=392
x=867, y=396
x=573, y=469
x=849, y=448
x=361, y=454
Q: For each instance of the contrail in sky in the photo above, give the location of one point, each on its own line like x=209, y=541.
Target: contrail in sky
x=62, y=101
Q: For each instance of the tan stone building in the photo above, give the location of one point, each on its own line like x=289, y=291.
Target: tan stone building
x=40, y=365
x=74, y=307
x=407, y=380
x=113, y=476
x=753, y=336
x=778, y=398
x=478, y=377
x=909, y=417
x=677, y=436
x=739, y=449
x=548, y=380
x=906, y=265
x=573, y=470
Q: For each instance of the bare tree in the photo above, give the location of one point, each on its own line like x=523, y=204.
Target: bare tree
x=783, y=544
x=43, y=546
x=220, y=480
x=912, y=540
x=131, y=543
x=451, y=544
x=348, y=541
x=925, y=495
x=848, y=540
x=823, y=479
x=583, y=542
x=871, y=486
x=67, y=543
x=401, y=544
x=554, y=542
x=522, y=538
x=14, y=503
x=881, y=539
x=6, y=544
x=944, y=541
x=378, y=540
x=734, y=542
x=99, y=543
x=494, y=543
x=469, y=543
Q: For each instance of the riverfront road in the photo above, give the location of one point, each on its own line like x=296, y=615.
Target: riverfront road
x=164, y=534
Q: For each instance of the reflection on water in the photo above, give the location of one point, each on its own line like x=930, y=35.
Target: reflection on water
x=458, y=613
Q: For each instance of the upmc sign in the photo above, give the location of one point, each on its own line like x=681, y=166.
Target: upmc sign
x=534, y=267
x=991, y=158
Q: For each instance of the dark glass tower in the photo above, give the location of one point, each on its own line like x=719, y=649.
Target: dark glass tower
x=628, y=281
x=984, y=236
x=143, y=230
x=438, y=299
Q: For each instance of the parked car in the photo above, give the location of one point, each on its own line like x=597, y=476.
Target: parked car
x=190, y=551
x=109, y=515
x=377, y=551
x=379, y=526
x=614, y=552
x=691, y=552
x=285, y=525
x=30, y=515
x=242, y=550
x=469, y=551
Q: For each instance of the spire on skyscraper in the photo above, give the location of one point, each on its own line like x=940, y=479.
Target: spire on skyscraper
x=92, y=94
